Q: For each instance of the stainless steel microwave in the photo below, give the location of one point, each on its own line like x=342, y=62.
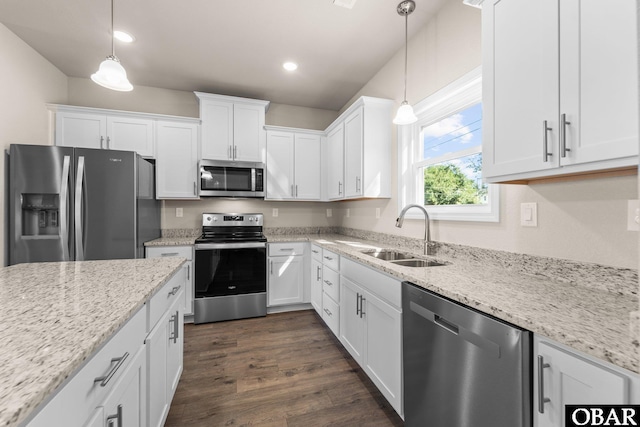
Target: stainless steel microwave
x=220, y=178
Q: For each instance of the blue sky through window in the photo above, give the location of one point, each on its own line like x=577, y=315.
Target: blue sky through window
x=459, y=131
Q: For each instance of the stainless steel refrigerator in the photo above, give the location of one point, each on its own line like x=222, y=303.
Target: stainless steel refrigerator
x=79, y=204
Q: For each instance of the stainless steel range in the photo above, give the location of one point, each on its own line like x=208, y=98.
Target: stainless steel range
x=230, y=268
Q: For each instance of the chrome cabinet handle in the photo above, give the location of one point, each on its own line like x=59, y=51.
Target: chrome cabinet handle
x=357, y=304
x=326, y=310
x=563, y=135
x=545, y=143
x=188, y=271
x=195, y=188
x=64, y=206
x=117, y=417
x=101, y=140
x=108, y=141
x=541, y=399
x=328, y=257
x=176, y=327
x=78, y=210
x=362, y=301
x=103, y=380
x=169, y=254
x=318, y=270
x=271, y=268
x=314, y=251
x=339, y=187
x=287, y=249
x=328, y=282
x=357, y=184
x=235, y=149
x=296, y=190
x=174, y=290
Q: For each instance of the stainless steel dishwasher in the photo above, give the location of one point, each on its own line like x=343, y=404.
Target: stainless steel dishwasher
x=462, y=368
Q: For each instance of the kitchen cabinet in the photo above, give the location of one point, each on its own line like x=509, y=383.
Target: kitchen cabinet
x=293, y=164
x=177, y=160
x=232, y=128
x=359, y=151
x=563, y=376
x=558, y=99
x=286, y=283
x=371, y=326
x=164, y=349
x=316, y=278
x=331, y=290
x=184, y=252
x=104, y=129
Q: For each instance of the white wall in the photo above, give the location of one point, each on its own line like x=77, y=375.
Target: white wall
x=27, y=83
x=583, y=221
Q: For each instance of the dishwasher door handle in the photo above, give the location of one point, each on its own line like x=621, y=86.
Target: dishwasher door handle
x=446, y=324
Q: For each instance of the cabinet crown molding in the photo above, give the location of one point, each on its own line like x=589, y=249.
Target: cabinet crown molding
x=234, y=99
x=55, y=108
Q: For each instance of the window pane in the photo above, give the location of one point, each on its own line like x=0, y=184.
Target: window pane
x=455, y=182
x=460, y=131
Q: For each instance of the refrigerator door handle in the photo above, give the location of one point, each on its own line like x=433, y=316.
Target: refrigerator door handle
x=78, y=209
x=64, y=205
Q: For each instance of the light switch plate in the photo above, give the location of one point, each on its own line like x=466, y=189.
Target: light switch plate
x=274, y=212
x=377, y=213
x=348, y=213
x=633, y=215
x=179, y=213
x=529, y=214
x=329, y=213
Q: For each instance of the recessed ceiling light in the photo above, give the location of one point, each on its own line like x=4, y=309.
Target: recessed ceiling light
x=290, y=66
x=123, y=37
x=345, y=3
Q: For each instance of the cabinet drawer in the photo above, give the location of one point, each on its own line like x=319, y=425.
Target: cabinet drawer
x=170, y=251
x=331, y=283
x=316, y=252
x=286, y=249
x=331, y=259
x=331, y=314
x=166, y=296
x=83, y=392
x=385, y=287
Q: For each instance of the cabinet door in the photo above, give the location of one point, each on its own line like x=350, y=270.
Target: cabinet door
x=81, y=130
x=335, y=163
x=130, y=134
x=351, y=319
x=307, y=166
x=353, y=141
x=383, y=348
x=286, y=280
x=126, y=405
x=156, y=345
x=178, y=251
x=177, y=160
x=175, y=346
x=599, y=79
x=248, y=133
x=217, y=130
x=571, y=380
x=520, y=86
x=316, y=285
x=280, y=160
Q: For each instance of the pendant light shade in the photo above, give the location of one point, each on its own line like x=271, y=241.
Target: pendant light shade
x=405, y=115
x=111, y=73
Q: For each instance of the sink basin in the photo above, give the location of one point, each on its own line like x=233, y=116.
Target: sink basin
x=418, y=263
x=388, y=255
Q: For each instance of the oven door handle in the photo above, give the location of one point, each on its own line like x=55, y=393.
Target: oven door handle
x=204, y=246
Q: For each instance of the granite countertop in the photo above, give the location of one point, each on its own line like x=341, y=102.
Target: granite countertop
x=56, y=315
x=590, y=308
x=172, y=241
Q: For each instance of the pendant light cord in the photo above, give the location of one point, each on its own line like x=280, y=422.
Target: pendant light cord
x=406, y=50
x=113, y=41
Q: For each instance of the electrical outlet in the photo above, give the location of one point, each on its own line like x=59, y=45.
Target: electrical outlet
x=633, y=215
x=377, y=213
x=179, y=213
x=348, y=213
x=329, y=213
x=274, y=212
x=529, y=214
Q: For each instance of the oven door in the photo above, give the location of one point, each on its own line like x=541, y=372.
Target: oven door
x=223, y=269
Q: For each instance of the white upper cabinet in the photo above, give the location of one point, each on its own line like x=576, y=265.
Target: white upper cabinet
x=359, y=151
x=232, y=128
x=104, y=129
x=293, y=164
x=560, y=87
x=177, y=160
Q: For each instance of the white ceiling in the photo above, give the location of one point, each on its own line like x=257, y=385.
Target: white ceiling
x=227, y=47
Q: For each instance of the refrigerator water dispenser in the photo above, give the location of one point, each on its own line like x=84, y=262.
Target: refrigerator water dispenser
x=40, y=214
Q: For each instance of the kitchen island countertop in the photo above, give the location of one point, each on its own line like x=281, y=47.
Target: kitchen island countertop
x=56, y=315
x=561, y=300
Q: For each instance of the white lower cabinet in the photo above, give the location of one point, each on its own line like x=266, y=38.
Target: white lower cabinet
x=178, y=251
x=316, y=285
x=286, y=272
x=371, y=326
x=563, y=376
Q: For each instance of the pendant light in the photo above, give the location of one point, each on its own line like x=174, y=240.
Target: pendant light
x=405, y=115
x=111, y=74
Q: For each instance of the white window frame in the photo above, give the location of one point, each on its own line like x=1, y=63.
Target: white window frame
x=462, y=93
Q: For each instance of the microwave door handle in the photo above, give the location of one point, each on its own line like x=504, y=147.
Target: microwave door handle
x=78, y=210
x=253, y=179
x=64, y=207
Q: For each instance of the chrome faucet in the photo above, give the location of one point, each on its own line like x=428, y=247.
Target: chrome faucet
x=428, y=245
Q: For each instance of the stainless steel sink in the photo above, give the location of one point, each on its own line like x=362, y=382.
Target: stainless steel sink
x=418, y=263
x=388, y=255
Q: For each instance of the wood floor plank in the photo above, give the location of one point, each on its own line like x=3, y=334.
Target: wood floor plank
x=280, y=371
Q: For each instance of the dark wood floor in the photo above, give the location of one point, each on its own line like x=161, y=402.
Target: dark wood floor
x=284, y=370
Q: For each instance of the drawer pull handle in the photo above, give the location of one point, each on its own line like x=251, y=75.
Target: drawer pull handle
x=106, y=378
x=328, y=283
x=174, y=290
x=117, y=417
x=287, y=249
x=541, y=399
x=326, y=310
x=170, y=254
x=318, y=270
x=329, y=258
